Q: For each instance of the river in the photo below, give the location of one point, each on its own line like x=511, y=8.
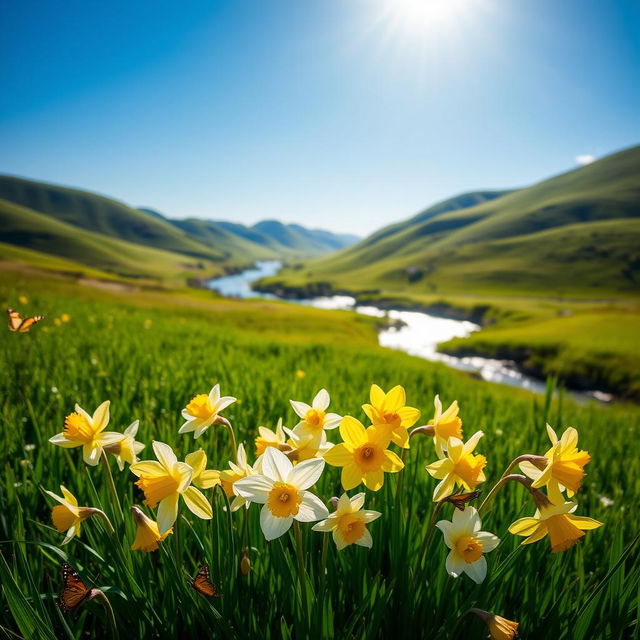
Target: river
x=417, y=333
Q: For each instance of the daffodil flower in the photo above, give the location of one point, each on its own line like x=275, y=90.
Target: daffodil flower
x=68, y=516
x=556, y=520
x=460, y=467
x=282, y=489
x=564, y=468
x=348, y=522
x=238, y=470
x=445, y=425
x=467, y=543
x=499, y=628
x=269, y=438
x=88, y=432
x=305, y=446
x=164, y=481
x=203, y=410
x=127, y=448
x=147, y=533
x=363, y=455
x=388, y=413
x=202, y=477
x=314, y=419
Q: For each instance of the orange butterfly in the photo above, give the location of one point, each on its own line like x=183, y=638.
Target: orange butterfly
x=202, y=583
x=74, y=590
x=459, y=500
x=18, y=323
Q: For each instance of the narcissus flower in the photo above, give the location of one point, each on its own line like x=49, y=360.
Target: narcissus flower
x=499, y=628
x=445, y=425
x=202, y=477
x=237, y=470
x=304, y=446
x=314, y=419
x=282, y=489
x=388, y=413
x=147, y=533
x=468, y=544
x=461, y=467
x=348, y=522
x=564, y=468
x=88, y=432
x=126, y=449
x=203, y=410
x=164, y=481
x=268, y=438
x=556, y=520
x=363, y=455
x=68, y=516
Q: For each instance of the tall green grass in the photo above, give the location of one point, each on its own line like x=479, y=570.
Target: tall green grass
x=150, y=357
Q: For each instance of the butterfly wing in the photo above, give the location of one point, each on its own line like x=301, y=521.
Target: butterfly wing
x=15, y=320
x=460, y=500
x=202, y=583
x=74, y=590
x=27, y=323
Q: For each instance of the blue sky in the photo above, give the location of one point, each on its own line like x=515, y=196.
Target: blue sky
x=342, y=114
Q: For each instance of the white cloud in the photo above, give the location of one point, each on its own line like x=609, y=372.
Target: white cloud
x=586, y=158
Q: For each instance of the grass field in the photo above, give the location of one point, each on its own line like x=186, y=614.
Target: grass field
x=151, y=352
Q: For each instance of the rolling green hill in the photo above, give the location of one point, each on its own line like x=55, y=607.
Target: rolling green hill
x=576, y=233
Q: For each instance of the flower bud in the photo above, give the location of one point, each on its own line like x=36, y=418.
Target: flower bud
x=245, y=564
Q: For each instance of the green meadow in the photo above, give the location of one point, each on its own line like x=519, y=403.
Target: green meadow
x=149, y=352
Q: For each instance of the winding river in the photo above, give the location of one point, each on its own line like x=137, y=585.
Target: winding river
x=417, y=333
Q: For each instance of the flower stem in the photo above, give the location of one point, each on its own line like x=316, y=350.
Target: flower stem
x=105, y=521
x=515, y=477
x=425, y=543
x=323, y=576
x=96, y=593
x=301, y=569
x=232, y=435
x=112, y=487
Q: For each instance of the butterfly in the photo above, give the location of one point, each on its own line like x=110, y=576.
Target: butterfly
x=202, y=583
x=459, y=500
x=18, y=323
x=74, y=590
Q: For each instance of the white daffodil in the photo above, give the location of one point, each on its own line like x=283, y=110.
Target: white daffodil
x=127, y=448
x=314, y=419
x=307, y=445
x=204, y=410
x=348, y=522
x=269, y=438
x=467, y=543
x=282, y=489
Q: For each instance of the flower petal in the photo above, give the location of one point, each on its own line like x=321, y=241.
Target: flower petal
x=395, y=399
x=306, y=474
x=353, y=431
x=165, y=454
x=477, y=570
x=374, y=479
x=91, y=454
x=101, y=417
x=272, y=526
x=524, y=526
x=325, y=525
x=254, y=488
x=584, y=523
x=301, y=408
x=454, y=564
x=488, y=540
x=365, y=540
x=391, y=462
x=197, y=503
x=197, y=461
x=357, y=501
x=339, y=456
x=472, y=442
x=167, y=512
x=321, y=401
x=351, y=476
x=311, y=508
x=444, y=488
x=61, y=440
x=148, y=468
x=214, y=395
x=276, y=465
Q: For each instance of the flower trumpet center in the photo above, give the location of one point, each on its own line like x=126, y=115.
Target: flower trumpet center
x=469, y=548
x=392, y=419
x=284, y=500
x=351, y=527
x=369, y=456
x=77, y=427
x=445, y=430
x=157, y=488
x=570, y=473
x=62, y=517
x=315, y=418
x=199, y=407
x=469, y=469
x=562, y=532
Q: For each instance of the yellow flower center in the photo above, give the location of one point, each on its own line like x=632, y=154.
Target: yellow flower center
x=469, y=468
x=351, y=527
x=315, y=418
x=62, y=517
x=469, y=548
x=453, y=428
x=284, y=500
x=77, y=427
x=392, y=419
x=562, y=532
x=157, y=488
x=199, y=407
x=369, y=456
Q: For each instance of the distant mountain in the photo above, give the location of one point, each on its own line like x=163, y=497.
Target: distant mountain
x=579, y=231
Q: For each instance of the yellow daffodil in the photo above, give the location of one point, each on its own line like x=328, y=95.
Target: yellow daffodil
x=268, y=438
x=147, y=533
x=23, y=299
x=388, y=413
x=564, y=468
x=127, y=448
x=202, y=477
x=460, y=467
x=68, y=516
x=238, y=470
x=363, y=455
x=65, y=317
x=467, y=543
x=556, y=520
x=164, y=481
x=282, y=490
x=348, y=522
x=300, y=374
x=88, y=432
x=499, y=628
x=314, y=419
x=203, y=410
x=445, y=425
x=304, y=446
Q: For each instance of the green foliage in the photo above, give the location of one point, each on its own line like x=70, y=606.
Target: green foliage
x=150, y=352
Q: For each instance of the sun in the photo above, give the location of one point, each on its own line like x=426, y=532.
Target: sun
x=425, y=16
